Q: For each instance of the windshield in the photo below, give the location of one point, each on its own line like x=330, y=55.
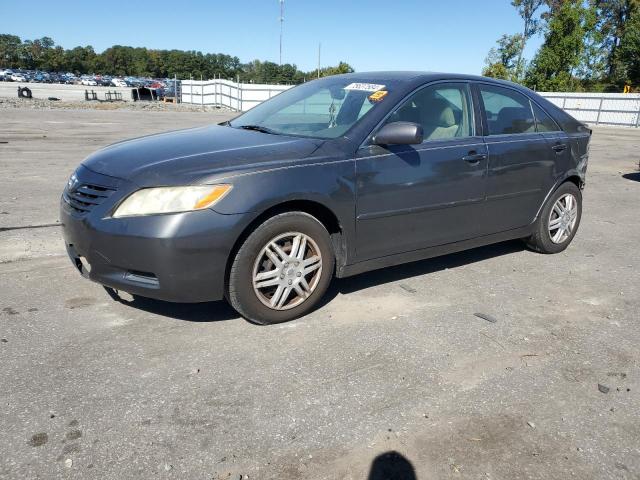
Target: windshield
x=327, y=108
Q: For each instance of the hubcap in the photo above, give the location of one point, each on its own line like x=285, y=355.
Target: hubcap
x=287, y=270
x=563, y=217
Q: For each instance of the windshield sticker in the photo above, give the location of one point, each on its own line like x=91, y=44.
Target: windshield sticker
x=364, y=87
x=377, y=96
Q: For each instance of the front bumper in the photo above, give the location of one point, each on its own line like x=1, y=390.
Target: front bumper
x=176, y=257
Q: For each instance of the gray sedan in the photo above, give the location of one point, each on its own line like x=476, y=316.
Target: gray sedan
x=334, y=177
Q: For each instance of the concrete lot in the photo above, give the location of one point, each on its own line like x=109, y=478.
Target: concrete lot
x=394, y=361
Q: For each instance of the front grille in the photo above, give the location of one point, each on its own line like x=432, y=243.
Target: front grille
x=83, y=197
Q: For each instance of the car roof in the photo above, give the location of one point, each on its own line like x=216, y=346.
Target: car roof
x=413, y=79
x=422, y=77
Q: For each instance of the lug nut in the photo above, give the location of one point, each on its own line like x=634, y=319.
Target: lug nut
x=298, y=274
x=290, y=282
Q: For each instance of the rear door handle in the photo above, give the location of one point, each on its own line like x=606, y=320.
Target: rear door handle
x=561, y=147
x=474, y=158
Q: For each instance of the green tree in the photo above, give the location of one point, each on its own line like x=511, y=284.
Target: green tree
x=592, y=67
x=496, y=70
x=629, y=50
x=503, y=61
x=9, y=50
x=527, y=9
x=613, y=16
x=553, y=67
x=121, y=60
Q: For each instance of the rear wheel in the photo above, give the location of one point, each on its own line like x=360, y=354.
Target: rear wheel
x=282, y=270
x=559, y=220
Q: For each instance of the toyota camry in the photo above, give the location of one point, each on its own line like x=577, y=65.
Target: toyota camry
x=334, y=177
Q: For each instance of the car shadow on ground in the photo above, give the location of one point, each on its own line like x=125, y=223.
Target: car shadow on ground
x=221, y=310
x=349, y=285
x=190, y=312
x=635, y=176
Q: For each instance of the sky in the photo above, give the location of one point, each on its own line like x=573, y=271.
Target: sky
x=447, y=36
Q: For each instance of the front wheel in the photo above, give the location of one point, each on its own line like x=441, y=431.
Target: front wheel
x=558, y=221
x=282, y=269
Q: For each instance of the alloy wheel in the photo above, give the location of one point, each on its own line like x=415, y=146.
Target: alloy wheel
x=287, y=271
x=563, y=217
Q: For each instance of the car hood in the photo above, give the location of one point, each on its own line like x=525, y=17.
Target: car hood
x=195, y=155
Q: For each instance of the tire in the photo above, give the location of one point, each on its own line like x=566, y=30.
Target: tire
x=258, y=301
x=545, y=237
x=24, y=92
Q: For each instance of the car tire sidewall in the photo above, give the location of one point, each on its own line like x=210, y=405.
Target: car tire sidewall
x=545, y=242
x=240, y=289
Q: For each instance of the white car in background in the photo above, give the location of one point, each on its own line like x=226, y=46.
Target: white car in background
x=18, y=77
x=89, y=82
x=118, y=82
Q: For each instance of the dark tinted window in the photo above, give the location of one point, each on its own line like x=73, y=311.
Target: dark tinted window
x=544, y=122
x=443, y=110
x=508, y=111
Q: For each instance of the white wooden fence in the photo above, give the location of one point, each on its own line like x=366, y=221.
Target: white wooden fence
x=614, y=109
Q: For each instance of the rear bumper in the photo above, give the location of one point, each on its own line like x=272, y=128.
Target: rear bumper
x=178, y=257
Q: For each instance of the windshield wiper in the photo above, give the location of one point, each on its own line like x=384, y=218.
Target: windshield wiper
x=259, y=128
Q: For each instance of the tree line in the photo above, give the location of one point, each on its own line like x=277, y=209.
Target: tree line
x=588, y=45
x=118, y=60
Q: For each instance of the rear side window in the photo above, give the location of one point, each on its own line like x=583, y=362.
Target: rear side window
x=508, y=112
x=544, y=122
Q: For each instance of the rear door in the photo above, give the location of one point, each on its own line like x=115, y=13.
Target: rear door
x=521, y=164
x=557, y=140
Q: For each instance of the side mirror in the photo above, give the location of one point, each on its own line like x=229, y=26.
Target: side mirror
x=399, y=133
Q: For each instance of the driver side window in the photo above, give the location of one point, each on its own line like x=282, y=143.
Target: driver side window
x=443, y=110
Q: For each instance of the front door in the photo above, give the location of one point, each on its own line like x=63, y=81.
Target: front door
x=411, y=197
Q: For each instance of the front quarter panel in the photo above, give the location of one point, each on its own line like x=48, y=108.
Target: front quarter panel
x=327, y=182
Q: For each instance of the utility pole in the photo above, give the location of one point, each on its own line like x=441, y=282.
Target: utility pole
x=281, y=27
x=319, y=48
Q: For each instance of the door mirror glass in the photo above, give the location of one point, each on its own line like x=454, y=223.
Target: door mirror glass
x=399, y=133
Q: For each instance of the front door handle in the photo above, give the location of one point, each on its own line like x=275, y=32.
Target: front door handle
x=559, y=148
x=474, y=158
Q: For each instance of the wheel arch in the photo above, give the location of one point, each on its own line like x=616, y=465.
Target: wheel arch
x=319, y=211
x=572, y=177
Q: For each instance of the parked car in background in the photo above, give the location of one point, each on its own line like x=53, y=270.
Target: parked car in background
x=334, y=177
x=103, y=80
x=88, y=81
x=18, y=77
x=118, y=82
x=134, y=82
x=70, y=79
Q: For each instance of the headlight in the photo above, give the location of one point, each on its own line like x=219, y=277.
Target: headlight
x=150, y=201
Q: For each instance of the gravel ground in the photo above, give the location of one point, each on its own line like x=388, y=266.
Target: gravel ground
x=394, y=361
x=44, y=104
